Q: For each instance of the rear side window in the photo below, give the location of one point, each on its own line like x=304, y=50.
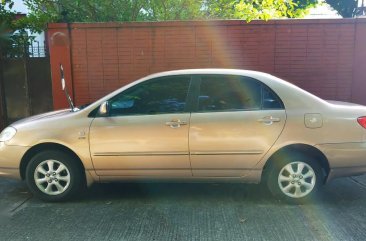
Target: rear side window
x=235, y=93
x=270, y=100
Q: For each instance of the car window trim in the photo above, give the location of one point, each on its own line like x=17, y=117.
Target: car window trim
x=194, y=91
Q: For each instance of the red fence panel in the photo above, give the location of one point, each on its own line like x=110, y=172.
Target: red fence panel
x=325, y=57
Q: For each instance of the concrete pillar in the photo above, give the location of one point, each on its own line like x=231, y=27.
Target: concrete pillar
x=58, y=37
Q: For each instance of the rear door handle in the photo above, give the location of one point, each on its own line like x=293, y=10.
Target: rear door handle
x=268, y=120
x=175, y=123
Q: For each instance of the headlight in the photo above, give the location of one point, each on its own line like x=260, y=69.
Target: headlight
x=7, y=133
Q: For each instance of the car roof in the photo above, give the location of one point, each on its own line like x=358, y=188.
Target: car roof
x=249, y=73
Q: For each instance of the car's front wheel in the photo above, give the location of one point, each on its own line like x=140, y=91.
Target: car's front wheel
x=296, y=179
x=54, y=176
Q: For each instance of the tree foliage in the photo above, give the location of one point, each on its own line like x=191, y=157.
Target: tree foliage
x=162, y=10
x=345, y=8
x=86, y=10
x=258, y=9
x=43, y=11
x=12, y=30
x=7, y=19
x=117, y=10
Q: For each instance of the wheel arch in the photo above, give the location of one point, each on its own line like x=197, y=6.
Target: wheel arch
x=303, y=149
x=43, y=147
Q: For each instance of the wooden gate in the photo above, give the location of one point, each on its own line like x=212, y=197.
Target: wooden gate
x=26, y=86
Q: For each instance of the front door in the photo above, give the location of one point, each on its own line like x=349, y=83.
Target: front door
x=237, y=120
x=146, y=132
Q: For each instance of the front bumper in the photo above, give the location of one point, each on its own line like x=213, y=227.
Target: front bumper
x=345, y=159
x=10, y=157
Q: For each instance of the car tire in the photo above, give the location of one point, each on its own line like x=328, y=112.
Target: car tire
x=295, y=179
x=54, y=176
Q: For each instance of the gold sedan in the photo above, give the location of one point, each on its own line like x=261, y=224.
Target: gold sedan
x=191, y=125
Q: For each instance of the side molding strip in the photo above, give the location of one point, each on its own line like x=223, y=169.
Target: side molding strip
x=254, y=152
x=196, y=153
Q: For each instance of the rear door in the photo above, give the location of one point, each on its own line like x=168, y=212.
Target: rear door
x=236, y=121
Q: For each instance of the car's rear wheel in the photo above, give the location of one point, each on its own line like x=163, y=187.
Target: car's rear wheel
x=54, y=176
x=296, y=179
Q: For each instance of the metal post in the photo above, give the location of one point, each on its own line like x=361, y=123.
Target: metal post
x=4, y=112
x=38, y=50
x=26, y=81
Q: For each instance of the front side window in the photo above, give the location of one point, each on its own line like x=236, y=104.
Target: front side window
x=157, y=96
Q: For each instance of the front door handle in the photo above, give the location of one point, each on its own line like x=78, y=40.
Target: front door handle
x=268, y=120
x=176, y=123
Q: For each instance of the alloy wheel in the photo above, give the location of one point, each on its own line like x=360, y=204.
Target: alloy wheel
x=52, y=177
x=297, y=179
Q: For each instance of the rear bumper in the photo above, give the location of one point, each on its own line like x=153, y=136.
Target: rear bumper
x=10, y=158
x=345, y=159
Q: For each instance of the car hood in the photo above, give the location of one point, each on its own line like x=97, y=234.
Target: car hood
x=46, y=115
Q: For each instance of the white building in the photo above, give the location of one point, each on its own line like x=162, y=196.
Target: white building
x=39, y=42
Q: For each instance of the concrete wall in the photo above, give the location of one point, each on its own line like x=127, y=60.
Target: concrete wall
x=325, y=57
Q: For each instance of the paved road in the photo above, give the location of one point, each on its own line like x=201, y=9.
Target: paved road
x=184, y=212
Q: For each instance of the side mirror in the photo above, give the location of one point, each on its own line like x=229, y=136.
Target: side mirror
x=104, y=109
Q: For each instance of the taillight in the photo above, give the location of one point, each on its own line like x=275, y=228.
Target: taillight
x=362, y=121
